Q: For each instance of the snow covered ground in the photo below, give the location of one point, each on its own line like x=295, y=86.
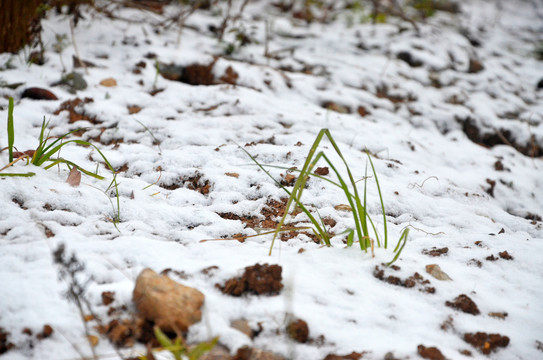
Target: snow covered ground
x=181, y=168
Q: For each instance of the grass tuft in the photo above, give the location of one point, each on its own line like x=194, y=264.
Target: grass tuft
x=356, y=199
x=48, y=147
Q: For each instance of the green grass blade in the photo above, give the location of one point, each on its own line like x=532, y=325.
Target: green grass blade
x=11, y=129
x=398, y=250
x=291, y=199
x=381, y=199
x=28, y=174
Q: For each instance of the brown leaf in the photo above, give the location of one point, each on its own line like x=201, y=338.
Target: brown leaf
x=133, y=109
x=109, y=82
x=93, y=340
x=74, y=178
x=435, y=271
x=343, y=207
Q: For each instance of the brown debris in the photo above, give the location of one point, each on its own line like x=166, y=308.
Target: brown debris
x=258, y=279
x=248, y=353
x=464, y=303
x=5, y=345
x=322, y=171
x=435, y=251
x=298, y=330
x=230, y=76
x=431, y=353
x=410, y=282
x=351, y=356
x=108, y=297
x=486, y=343
x=505, y=255
x=36, y=93
x=76, y=111
x=46, y=332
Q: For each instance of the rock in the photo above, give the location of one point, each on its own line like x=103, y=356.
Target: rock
x=36, y=93
x=73, y=82
x=435, y=271
x=170, y=305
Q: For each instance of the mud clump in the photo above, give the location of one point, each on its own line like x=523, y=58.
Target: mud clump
x=351, y=356
x=76, y=110
x=431, y=353
x=5, y=345
x=258, y=279
x=464, y=303
x=298, y=330
x=435, y=251
x=411, y=281
x=486, y=343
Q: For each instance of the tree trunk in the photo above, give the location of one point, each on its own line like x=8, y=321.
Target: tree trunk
x=20, y=23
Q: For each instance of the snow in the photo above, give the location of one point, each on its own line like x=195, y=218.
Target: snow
x=432, y=176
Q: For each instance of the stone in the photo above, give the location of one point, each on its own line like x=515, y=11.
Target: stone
x=170, y=305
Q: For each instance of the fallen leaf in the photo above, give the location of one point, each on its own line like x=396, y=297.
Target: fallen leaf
x=343, y=207
x=436, y=272
x=74, y=177
x=235, y=175
x=93, y=340
x=109, y=82
x=134, y=109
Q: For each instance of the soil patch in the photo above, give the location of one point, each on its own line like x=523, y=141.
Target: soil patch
x=431, y=353
x=258, y=279
x=464, y=303
x=411, y=281
x=486, y=343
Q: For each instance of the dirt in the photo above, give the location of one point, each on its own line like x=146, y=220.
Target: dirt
x=409, y=282
x=435, y=251
x=298, y=330
x=76, y=110
x=351, y=356
x=108, y=297
x=5, y=345
x=258, y=279
x=465, y=304
x=492, y=137
x=431, y=353
x=486, y=343
x=126, y=332
x=195, y=182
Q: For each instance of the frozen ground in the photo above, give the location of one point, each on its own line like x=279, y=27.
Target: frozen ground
x=477, y=201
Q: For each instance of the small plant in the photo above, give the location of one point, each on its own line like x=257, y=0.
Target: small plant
x=47, y=148
x=71, y=270
x=356, y=200
x=178, y=348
